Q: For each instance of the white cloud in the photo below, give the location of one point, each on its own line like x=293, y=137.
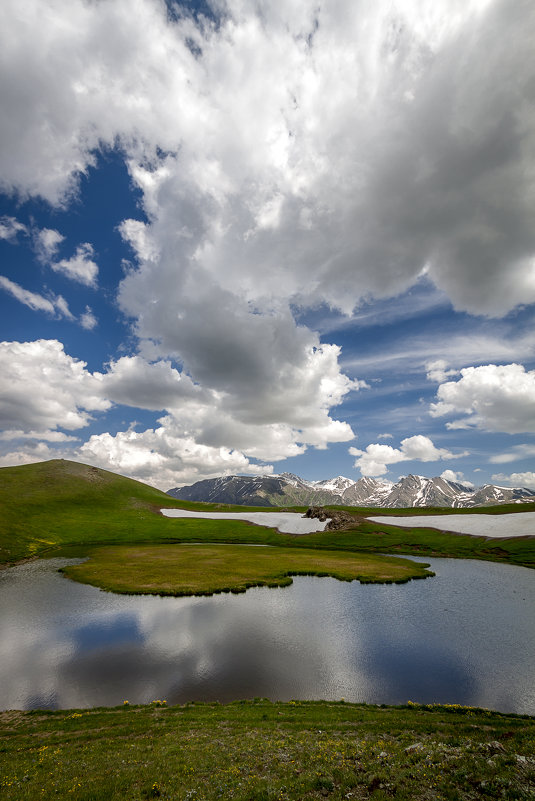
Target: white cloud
x=457, y=477
x=88, y=319
x=491, y=397
x=138, y=235
x=55, y=305
x=517, y=452
x=46, y=436
x=265, y=369
x=383, y=142
x=10, y=228
x=437, y=371
x=46, y=242
x=133, y=381
x=480, y=342
x=526, y=479
x=164, y=459
x=45, y=389
x=299, y=156
x=34, y=452
x=384, y=436
x=374, y=461
x=79, y=267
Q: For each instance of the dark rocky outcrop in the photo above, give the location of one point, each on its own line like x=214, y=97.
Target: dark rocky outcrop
x=338, y=519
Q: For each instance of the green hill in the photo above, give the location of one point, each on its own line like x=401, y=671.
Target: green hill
x=55, y=504
x=60, y=503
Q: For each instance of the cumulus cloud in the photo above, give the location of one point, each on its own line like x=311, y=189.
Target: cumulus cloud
x=375, y=460
x=55, y=305
x=526, y=479
x=88, y=319
x=299, y=155
x=492, y=397
x=133, y=381
x=10, y=228
x=437, y=371
x=46, y=242
x=79, y=267
x=28, y=454
x=384, y=140
x=164, y=457
x=457, y=477
x=45, y=389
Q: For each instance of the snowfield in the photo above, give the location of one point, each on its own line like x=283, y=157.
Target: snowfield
x=520, y=524
x=286, y=522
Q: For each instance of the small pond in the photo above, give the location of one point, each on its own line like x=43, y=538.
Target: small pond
x=466, y=636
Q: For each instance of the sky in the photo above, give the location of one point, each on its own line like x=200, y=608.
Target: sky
x=248, y=237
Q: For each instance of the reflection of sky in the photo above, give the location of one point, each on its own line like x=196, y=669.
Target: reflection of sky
x=121, y=629
x=466, y=636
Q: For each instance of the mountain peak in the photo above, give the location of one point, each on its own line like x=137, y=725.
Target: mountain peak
x=288, y=489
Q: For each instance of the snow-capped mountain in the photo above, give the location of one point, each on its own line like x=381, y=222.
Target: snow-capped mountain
x=337, y=485
x=288, y=489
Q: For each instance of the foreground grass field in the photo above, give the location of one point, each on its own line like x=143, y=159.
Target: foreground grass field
x=207, y=569
x=266, y=751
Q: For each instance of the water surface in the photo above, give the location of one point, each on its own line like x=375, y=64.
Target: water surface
x=466, y=636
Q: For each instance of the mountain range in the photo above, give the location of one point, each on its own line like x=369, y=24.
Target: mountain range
x=288, y=489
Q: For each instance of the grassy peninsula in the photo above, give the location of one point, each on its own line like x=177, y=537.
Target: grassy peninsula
x=262, y=751
x=207, y=569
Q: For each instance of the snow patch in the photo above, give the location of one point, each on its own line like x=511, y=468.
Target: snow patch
x=285, y=522
x=521, y=524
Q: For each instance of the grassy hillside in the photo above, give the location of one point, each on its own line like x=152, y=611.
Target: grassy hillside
x=267, y=751
x=60, y=503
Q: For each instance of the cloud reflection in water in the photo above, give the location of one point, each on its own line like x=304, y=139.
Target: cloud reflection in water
x=466, y=636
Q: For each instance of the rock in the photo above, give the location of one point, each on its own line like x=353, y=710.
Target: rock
x=494, y=747
x=338, y=519
x=411, y=749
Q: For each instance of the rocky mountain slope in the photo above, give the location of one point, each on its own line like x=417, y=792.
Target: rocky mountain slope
x=288, y=489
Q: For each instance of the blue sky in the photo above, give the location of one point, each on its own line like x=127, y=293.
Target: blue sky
x=262, y=237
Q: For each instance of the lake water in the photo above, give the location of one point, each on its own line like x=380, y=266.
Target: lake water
x=465, y=636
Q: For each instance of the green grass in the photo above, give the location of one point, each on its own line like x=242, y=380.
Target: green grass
x=60, y=504
x=266, y=751
x=57, y=503
x=381, y=538
x=207, y=569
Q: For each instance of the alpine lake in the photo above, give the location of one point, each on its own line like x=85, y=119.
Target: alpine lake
x=465, y=636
